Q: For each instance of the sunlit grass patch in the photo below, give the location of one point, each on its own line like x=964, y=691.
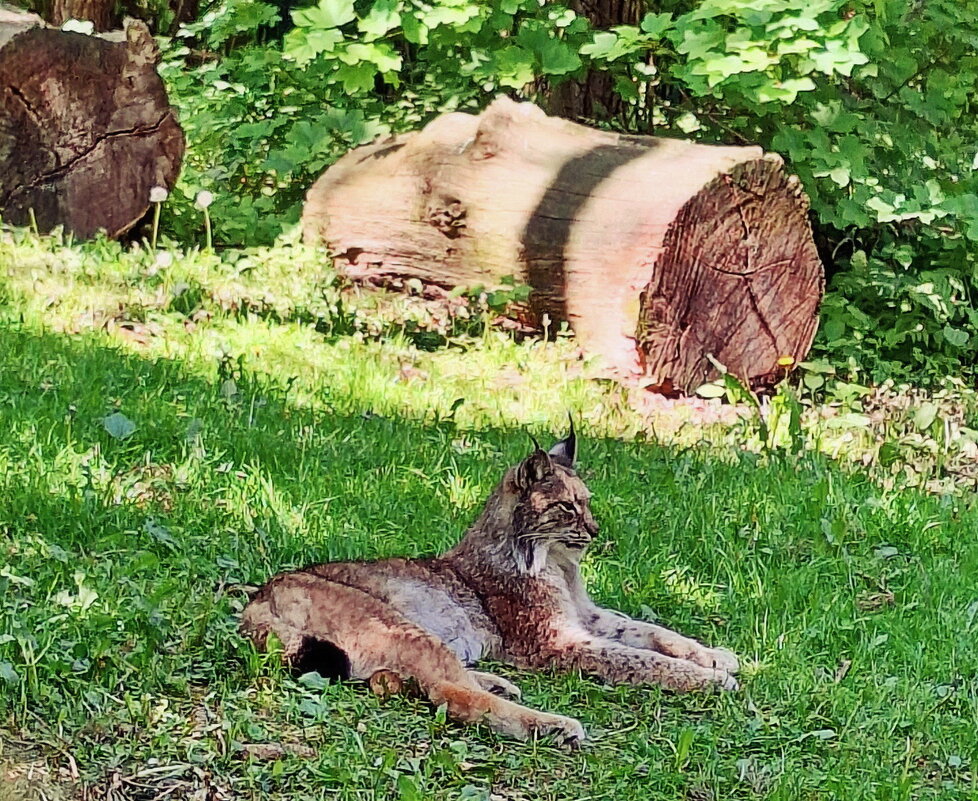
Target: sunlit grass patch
x=260, y=441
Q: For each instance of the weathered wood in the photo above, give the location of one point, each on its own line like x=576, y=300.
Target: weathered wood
x=657, y=251
x=101, y=13
x=85, y=128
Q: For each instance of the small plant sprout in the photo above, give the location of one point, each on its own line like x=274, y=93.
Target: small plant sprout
x=204, y=199
x=157, y=196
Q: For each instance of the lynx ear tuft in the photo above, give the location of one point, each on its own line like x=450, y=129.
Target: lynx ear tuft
x=565, y=451
x=533, y=468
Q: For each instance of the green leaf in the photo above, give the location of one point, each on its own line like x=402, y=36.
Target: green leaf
x=357, y=77
x=837, y=58
x=415, y=31
x=514, y=66
x=8, y=674
x=834, y=329
x=955, y=336
x=557, y=57
x=384, y=16
x=626, y=87
x=813, y=381
x=381, y=55
x=601, y=45
x=118, y=425
x=407, y=789
x=656, y=24
x=775, y=92
x=840, y=175
x=455, y=15
x=925, y=415
x=302, y=46
x=327, y=14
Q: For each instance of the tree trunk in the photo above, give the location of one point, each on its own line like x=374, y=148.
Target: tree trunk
x=85, y=128
x=594, y=97
x=657, y=251
x=101, y=13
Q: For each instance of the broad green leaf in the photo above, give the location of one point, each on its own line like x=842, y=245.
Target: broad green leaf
x=118, y=425
x=514, y=66
x=601, y=45
x=384, y=16
x=380, y=54
x=813, y=381
x=656, y=24
x=837, y=58
x=455, y=15
x=557, y=57
x=357, y=77
x=304, y=45
x=925, y=415
x=327, y=14
x=415, y=31
x=955, y=336
x=699, y=43
x=8, y=674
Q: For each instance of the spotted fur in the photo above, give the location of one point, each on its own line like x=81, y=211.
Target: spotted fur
x=510, y=591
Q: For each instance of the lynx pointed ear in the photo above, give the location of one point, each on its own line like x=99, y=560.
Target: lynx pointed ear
x=565, y=451
x=533, y=468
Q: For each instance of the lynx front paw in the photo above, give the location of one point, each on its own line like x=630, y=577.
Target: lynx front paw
x=718, y=658
x=568, y=731
x=726, y=681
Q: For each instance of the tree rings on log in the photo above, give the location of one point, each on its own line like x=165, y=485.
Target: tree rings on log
x=660, y=253
x=86, y=130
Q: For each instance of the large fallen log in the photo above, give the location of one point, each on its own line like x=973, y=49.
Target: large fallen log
x=657, y=251
x=86, y=130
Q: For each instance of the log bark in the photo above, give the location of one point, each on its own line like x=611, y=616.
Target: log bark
x=657, y=251
x=85, y=128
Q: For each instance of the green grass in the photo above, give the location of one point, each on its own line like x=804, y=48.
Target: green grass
x=274, y=430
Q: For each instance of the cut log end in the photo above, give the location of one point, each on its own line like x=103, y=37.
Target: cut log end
x=86, y=130
x=735, y=280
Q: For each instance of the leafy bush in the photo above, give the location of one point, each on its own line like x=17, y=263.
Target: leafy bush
x=870, y=103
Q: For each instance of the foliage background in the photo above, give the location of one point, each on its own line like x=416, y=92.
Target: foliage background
x=869, y=102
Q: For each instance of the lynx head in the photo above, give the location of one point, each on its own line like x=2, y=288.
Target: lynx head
x=549, y=503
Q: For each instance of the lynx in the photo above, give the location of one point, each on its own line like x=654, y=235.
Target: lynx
x=509, y=591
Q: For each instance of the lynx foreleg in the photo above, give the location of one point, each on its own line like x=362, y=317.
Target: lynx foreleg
x=639, y=634
x=618, y=663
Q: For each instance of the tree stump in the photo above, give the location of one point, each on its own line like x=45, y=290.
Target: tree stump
x=85, y=127
x=657, y=251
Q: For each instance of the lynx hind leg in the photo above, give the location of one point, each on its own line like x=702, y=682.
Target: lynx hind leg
x=377, y=639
